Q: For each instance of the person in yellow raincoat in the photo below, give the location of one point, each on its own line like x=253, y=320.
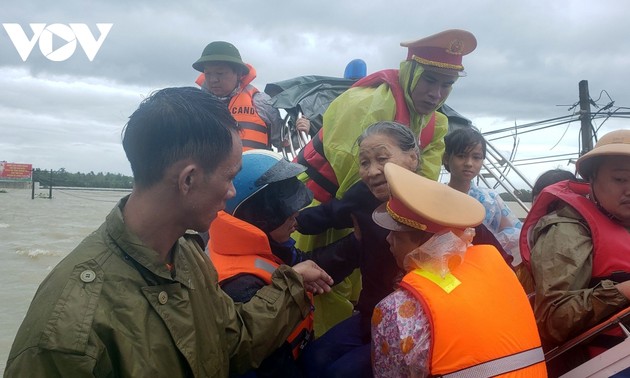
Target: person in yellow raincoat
x=410, y=96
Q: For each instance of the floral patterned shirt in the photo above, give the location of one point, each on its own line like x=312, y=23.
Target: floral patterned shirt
x=401, y=337
x=500, y=220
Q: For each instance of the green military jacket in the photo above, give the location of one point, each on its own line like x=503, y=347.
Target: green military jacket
x=111, y=308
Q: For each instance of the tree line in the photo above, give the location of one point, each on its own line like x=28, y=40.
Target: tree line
x=118, y=181
x=62, y=177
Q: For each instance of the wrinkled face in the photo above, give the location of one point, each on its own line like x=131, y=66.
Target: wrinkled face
x=432, y=89
x=283, y=233
x=611, y=187
x=466, y=165
x=215, y=188
x=401, y=243
x=221, y=78
x=374, y=152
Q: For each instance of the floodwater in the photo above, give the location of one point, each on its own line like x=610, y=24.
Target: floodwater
x=35, y=234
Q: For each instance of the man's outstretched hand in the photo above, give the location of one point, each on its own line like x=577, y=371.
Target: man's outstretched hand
x=315, y=279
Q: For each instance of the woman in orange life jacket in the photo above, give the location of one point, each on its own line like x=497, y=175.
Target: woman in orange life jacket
x=459, y=310
x=576, y=240
x=251, y=238
x=226, y=76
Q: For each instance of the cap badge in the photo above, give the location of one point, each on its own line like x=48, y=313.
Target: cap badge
x=455, y=47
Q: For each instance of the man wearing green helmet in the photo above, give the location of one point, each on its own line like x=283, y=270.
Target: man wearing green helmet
x=227, y=77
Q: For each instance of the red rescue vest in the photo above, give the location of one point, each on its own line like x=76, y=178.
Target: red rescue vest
x=483, y=326
x=611, y=241
x=323, y=181
x=237, y=247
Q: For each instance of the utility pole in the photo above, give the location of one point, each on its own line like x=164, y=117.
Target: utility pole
x=585, y=117
x=50, y=185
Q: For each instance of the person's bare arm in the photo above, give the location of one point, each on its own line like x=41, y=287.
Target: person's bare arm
x=624, y=288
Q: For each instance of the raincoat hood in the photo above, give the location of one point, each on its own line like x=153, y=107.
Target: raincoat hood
x=409, y=76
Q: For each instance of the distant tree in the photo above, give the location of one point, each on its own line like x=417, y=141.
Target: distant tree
x=82, y=180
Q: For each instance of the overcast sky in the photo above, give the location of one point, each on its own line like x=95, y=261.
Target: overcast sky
x=530, y=58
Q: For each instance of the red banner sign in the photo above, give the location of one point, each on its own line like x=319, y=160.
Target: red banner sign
x=15, y=171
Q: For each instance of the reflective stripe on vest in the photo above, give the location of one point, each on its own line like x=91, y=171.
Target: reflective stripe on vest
x=323, y=181
x=487, y=317
x=265, y=265
x=501, y=365
x=255, y=133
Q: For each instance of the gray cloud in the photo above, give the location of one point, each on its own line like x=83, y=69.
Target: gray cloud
x=530, y=58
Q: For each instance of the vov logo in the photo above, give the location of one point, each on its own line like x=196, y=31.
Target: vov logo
x=71, y=34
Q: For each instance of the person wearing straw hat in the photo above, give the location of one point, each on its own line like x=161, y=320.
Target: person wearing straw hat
x=226, y=76
x=460, y=310
x=576, y=240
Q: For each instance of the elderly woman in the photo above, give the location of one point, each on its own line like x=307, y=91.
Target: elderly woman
x=345, y=349
x=226, y=76
x=577, y=239
x=460, y=308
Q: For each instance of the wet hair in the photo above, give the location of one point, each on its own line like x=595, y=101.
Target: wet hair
x=401, y=134
x=173, y=124
x=462, y=140
x=550, y=177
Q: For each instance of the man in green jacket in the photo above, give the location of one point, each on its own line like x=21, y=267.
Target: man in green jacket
x=139, y=297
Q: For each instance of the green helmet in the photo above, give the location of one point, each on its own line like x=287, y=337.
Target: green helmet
x=220, y=51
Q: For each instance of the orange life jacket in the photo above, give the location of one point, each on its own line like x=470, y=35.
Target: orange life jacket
x=323, y=181
x=481, y=324
x=255, y=133
x=237, y=247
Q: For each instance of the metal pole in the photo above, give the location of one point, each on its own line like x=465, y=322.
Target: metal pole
x=32, y=184
x=585, y=117
x=50, y=185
